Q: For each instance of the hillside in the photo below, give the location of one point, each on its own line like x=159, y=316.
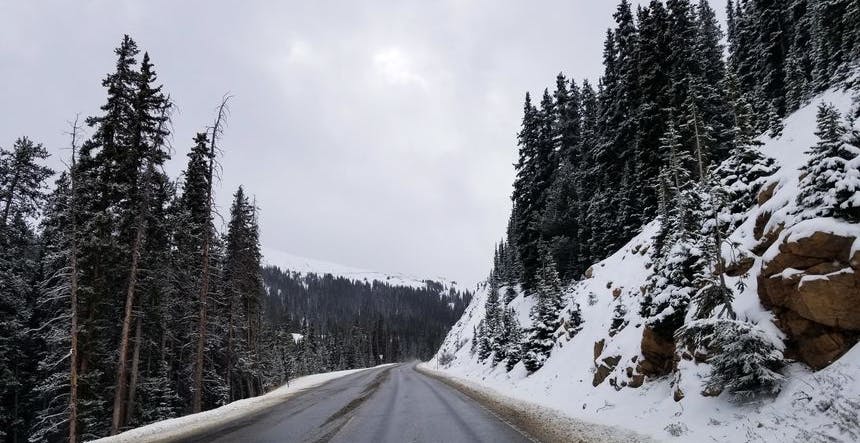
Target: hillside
x=365, y=317
x=304, y=265
x=799, y=289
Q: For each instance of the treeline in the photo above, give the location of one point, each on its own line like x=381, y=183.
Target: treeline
x=596, y=164
x=352, y=323
x=120, y=302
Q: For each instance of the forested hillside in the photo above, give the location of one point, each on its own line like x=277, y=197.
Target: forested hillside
x=360, y=323
x=687, y=227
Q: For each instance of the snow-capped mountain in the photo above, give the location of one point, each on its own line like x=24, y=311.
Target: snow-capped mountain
x=303, y=265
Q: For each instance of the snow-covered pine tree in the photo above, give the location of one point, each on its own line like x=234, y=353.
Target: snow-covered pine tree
x=512, y=338
x=545, y=314
x=22, y=196
x=830, y=179
x=745, y=360
x=483, y=340
x=493, y=317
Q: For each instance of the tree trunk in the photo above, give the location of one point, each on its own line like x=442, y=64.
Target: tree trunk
x=135, y=364
x=73, y=289
x=120, y=391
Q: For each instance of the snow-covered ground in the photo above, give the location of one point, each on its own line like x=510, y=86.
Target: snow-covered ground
x=177, y=428
x=812, y=407
x=303, y=265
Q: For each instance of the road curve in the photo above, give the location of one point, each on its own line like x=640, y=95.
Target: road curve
x=391, y=404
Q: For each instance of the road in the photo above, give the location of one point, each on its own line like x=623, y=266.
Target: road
x=391, y=404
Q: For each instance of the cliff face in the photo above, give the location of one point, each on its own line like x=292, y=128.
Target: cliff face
x=797, y=280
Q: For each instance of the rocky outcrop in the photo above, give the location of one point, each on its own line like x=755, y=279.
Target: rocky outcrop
x=658, y=354
x=604, y=368
x=813, y=287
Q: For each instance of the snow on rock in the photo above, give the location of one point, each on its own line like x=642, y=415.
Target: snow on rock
x=189, y=425
x=302, y=265
x=591, y=376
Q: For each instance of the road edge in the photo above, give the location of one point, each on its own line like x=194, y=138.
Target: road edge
x=193, y=425
x=537, y=422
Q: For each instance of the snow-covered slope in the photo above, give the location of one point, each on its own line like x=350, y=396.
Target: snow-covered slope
x=302, y=265
x=812, y=406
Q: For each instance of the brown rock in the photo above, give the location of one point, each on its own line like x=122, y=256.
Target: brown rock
x=760, y=223
x=658, y=354
x=794, y=324
x=678, y=395
x=821, y=350
x=821, y=245
x=832, y=300
x=616, y=292
x=598, y=348
x=818, y=306
x=776, y=290
x=824, y=268
x=785, y=260
x=636, y=381
x=604, y=369
x=766, y=193
x=740, y=267
x=711, y=392
x=589, y=272
x=766, y=239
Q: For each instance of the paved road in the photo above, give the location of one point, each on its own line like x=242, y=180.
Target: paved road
x=393, y=404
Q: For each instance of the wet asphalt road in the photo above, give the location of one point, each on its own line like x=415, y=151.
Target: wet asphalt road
x=393, y=404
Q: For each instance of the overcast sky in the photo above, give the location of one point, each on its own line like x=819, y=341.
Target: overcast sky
x=379, y=135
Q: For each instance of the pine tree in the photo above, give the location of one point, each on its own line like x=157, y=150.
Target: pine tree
x=744, y=359
x=830, y=181
x=545, y=314
x=493, y=318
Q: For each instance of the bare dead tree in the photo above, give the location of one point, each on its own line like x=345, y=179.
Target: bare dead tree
x=73, y=290
x=217, y=129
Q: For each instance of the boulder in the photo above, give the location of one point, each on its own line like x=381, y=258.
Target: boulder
x=739, y=267
x=598, y=348
x=821, y=350
x=588, y=272
x=813, y=287
x=766, y=193
x=678, y=395
x=616, y=293
x=786, y=260
x=822, y=245
x=636, y=381
x=832, y=300
x=606, y=366
x=658, y=354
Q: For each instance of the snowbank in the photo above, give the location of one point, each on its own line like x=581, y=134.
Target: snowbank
x=188, y=425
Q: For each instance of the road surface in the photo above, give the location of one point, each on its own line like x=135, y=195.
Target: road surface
x=394, y=404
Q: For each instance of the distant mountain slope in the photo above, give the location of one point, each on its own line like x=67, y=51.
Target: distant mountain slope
x=369, y=317
x=304, y=265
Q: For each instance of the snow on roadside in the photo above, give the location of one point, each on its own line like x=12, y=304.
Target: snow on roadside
x=551, y=424
x=176, y=428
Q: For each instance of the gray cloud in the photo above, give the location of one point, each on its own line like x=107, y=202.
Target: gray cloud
x=375, y=134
